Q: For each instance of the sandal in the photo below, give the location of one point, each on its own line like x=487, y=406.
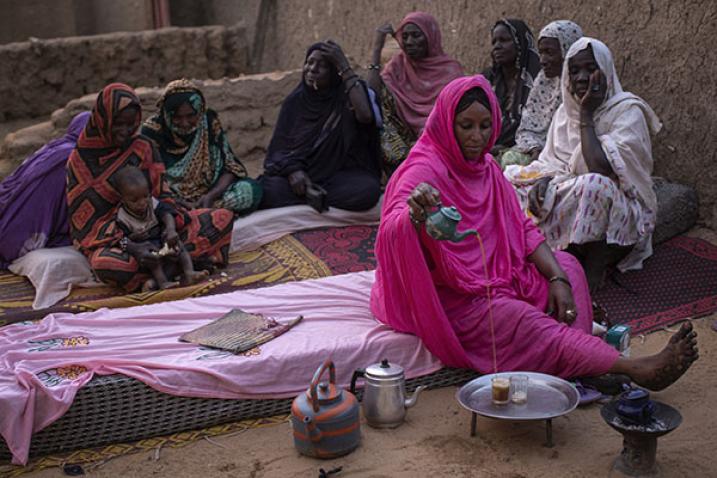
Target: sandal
x=609, y=384
x=588, y=395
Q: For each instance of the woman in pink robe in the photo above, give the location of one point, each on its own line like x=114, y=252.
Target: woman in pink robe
x=438, y=290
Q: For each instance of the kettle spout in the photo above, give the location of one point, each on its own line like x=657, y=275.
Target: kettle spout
x=312, y=430
x=459, y=236
x=411, y=401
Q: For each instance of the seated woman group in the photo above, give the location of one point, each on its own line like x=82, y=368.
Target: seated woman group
x=590, y=190
x=507, y=303
x=106, y=146
x=334, y=131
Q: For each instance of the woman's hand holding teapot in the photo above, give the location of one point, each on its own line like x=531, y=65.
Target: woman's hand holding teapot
x=422, y=199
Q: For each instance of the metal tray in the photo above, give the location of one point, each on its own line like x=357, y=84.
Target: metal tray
x=548, y=397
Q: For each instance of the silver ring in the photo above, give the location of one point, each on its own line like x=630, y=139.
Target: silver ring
x=571, y=313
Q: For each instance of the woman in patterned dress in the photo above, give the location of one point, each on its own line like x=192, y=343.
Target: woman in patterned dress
x=201, y=167
x=590, y=190
x=109, y=142
x=410, y=83
x=554, y=41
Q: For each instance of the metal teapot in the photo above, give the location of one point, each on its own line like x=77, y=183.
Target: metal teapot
x=384, y=395
x=325, y=418
x=443, y=223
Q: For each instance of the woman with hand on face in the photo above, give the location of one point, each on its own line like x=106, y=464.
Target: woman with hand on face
x=515, y=66
x=590, y=190
x=553, y=43
x=202, y=169
x=107, y=144
x=326, y=134
x=410, y=82
x=535, y=303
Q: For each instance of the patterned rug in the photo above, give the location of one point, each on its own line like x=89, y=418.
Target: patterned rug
x=678, y=282
x=305, y=255
x=92, y=458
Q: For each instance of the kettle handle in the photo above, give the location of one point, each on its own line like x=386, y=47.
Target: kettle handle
x=315, y=382
x=359, y=372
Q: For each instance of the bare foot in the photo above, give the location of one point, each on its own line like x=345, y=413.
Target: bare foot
x=149, y=285
x=194, y=277
x=661, y=370
x=168, y=285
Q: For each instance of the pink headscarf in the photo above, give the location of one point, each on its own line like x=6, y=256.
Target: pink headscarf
x=415, y=84
x=418, y=277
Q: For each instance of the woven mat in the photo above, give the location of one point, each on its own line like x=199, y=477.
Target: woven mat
x=93, y=458
x=678, y=282
x=307, y=255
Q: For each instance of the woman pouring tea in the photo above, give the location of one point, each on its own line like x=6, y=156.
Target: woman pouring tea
x=505, y=302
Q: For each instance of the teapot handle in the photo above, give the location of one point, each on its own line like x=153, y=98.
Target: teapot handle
x=315, y=382
x=359, y=372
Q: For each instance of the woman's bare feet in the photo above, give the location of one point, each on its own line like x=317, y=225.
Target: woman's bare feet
x=194, y=277
x=168, y=285
x=152, y=284
x=661, y=370
x=149, y=285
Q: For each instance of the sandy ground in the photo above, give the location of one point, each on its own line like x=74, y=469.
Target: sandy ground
x=435, y=441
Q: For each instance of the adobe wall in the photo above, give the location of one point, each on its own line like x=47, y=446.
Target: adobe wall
x=247, y=106
x=664, y=52
x=36, y=77
x=22, y=19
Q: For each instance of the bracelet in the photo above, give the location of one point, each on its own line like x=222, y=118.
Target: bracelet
x=347, y=90
x=560, y=279
x=343, y=72
x=374, y=66
x=587, y=124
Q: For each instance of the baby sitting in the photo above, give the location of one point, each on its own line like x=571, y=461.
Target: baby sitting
x=150, y=234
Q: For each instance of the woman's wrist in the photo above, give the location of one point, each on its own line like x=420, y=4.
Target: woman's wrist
x=560, y=279
x=346, y=71
x=586, y=118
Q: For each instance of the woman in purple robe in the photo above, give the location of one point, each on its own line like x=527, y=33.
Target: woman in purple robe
x=33, y=199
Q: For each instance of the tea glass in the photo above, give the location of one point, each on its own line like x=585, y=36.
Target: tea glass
x=500, y=388
x=519, y=388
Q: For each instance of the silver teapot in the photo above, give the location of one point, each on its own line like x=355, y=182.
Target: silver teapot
x=384, y=396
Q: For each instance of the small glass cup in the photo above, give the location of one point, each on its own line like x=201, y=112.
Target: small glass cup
x=500, y=388
x=519, y=389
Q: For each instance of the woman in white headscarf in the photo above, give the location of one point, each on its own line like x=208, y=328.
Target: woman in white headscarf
x=590, y=190
x=553, y=44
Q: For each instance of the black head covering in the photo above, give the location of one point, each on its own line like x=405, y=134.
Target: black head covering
x=528, y=64
x=318, y=133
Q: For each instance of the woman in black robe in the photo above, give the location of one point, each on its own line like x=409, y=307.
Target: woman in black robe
x=326, y=135
x=515, y=64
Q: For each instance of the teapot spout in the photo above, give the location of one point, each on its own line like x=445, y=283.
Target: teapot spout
x=411, y=401
x=459, y=236
x=312, y=430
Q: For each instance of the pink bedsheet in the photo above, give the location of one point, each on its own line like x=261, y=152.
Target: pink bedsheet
x=141, y=342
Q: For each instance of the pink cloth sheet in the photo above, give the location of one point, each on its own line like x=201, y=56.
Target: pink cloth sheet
x=142, y=342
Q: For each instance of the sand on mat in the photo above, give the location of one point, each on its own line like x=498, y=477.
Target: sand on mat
x=435, y=440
